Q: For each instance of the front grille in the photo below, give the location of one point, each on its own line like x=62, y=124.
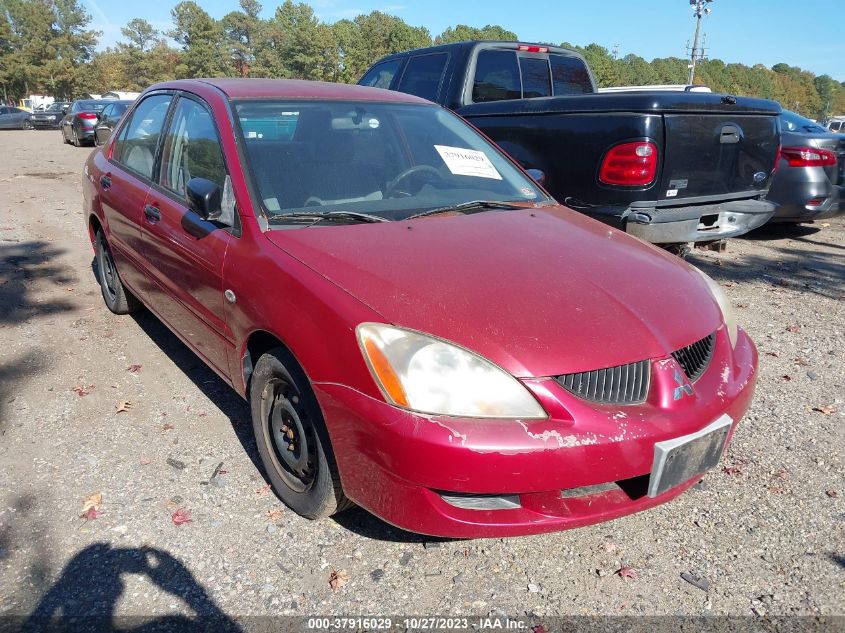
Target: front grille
x=624, y=384
x=695, y=358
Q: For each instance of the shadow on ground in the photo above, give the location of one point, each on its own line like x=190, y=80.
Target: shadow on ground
x=785, y=262
x=23, y=266
x=85, y=596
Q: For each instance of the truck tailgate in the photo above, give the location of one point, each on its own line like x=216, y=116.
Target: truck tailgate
x=725, y=155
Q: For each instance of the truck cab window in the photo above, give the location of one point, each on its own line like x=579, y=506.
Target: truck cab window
x=381, y=75
x=570, y=76
x=423, y=74
x=496, y=76
x=535, y=77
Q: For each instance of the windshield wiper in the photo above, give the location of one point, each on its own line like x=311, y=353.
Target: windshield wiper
x=319, y=216
x=469, y=206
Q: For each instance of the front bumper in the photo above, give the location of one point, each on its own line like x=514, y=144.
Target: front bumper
x=44, y=124
x=587, y=463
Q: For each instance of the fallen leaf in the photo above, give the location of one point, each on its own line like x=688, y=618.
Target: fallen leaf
x=92, y=501
x=735, y=468
x=90, y=514
x=275, y=515
x=539, y=628
x=802, y=362
x=181, y=516
x=81, y=390
x=793, y=328
x=781, y=474
x=627, y=572
x=775, y=489
x=729, y=284
x=825, y=410
x=741, y=305
x=123, y=405
x=133, y=369
x=338, y=578
x=167, y=427
x=825, y=225
x=786, y=378
x=144, y=461
x=263, y=491
x=774, y=354
x=831, y=493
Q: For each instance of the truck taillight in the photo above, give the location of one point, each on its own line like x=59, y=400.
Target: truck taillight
x=629, y=164
x=87, y=115
x=808, y=157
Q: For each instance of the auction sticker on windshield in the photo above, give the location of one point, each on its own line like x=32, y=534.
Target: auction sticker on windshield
x=467, y=162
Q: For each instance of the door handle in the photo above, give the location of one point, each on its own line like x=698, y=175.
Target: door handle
x=152, y=213
x=105, y=181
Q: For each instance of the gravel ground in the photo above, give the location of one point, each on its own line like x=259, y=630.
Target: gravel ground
x=766, y=533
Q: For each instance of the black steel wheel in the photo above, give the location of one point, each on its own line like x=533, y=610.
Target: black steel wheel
x=292, y=438
x=118, y=299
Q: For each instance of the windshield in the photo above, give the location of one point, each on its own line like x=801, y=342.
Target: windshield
x=386, y=160
x=791, y=122
x=54, y=107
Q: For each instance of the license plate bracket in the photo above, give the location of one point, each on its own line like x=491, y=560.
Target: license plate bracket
x=681, y=458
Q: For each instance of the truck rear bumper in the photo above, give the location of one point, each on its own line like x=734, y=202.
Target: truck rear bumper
x=698, y=223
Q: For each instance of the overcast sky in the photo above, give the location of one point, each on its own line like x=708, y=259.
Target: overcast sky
x=746, y=31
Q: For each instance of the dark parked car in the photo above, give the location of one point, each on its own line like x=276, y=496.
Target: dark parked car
x=78, y=124
x=108, y=119
x=51, y=117
x=418, y=327
x=669, y=167
x=810, y=181
x=12, y=118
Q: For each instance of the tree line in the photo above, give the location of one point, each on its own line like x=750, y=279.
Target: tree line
x=47, y=46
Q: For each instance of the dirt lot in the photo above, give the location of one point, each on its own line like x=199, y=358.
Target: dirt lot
x=766, y=533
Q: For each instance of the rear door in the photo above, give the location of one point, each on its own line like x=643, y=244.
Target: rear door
x=718, y=155
x=187, y=267
x=125, y=183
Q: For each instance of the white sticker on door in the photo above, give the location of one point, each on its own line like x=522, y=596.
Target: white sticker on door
x=467, y=162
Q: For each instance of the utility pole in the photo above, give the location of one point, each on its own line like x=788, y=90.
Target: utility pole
x=699, y=10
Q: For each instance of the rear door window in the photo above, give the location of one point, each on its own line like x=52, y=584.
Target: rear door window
x=570, y=75
x=496, y=76
x=136, y=147
x=535, y=77
x=423, y=75
x=381, y=75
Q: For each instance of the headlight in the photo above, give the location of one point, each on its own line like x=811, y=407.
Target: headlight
x=724, y=305
x=51, y=118
x=425, y=374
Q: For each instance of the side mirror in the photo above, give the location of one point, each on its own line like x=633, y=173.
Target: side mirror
x=204, y=198
x=537, y=176
x=65, y=109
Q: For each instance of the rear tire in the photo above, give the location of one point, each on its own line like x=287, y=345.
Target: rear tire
x=64, y=136
x=118, y=299
x=75, y=138
x=292, y=438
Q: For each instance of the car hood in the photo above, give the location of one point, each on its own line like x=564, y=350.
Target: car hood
x=540, y=292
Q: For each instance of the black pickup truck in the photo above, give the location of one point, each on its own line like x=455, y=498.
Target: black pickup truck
x=669, y=167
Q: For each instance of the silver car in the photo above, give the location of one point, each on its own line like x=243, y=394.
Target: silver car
x=808, y=184
x=14, y=118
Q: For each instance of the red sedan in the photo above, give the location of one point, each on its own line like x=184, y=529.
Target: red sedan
x=418, y=327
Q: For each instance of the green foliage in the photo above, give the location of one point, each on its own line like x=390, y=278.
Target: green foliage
x=464, y=33
x=46, y=46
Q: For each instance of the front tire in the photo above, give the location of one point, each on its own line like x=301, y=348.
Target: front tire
x=26, y=125
x=118, y=299
x=292, y=439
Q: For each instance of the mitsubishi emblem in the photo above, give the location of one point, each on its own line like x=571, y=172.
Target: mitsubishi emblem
x=683, y=388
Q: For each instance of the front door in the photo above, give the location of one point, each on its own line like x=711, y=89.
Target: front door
x=186, y=270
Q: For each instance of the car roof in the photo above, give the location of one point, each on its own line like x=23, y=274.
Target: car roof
x=235, y=88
